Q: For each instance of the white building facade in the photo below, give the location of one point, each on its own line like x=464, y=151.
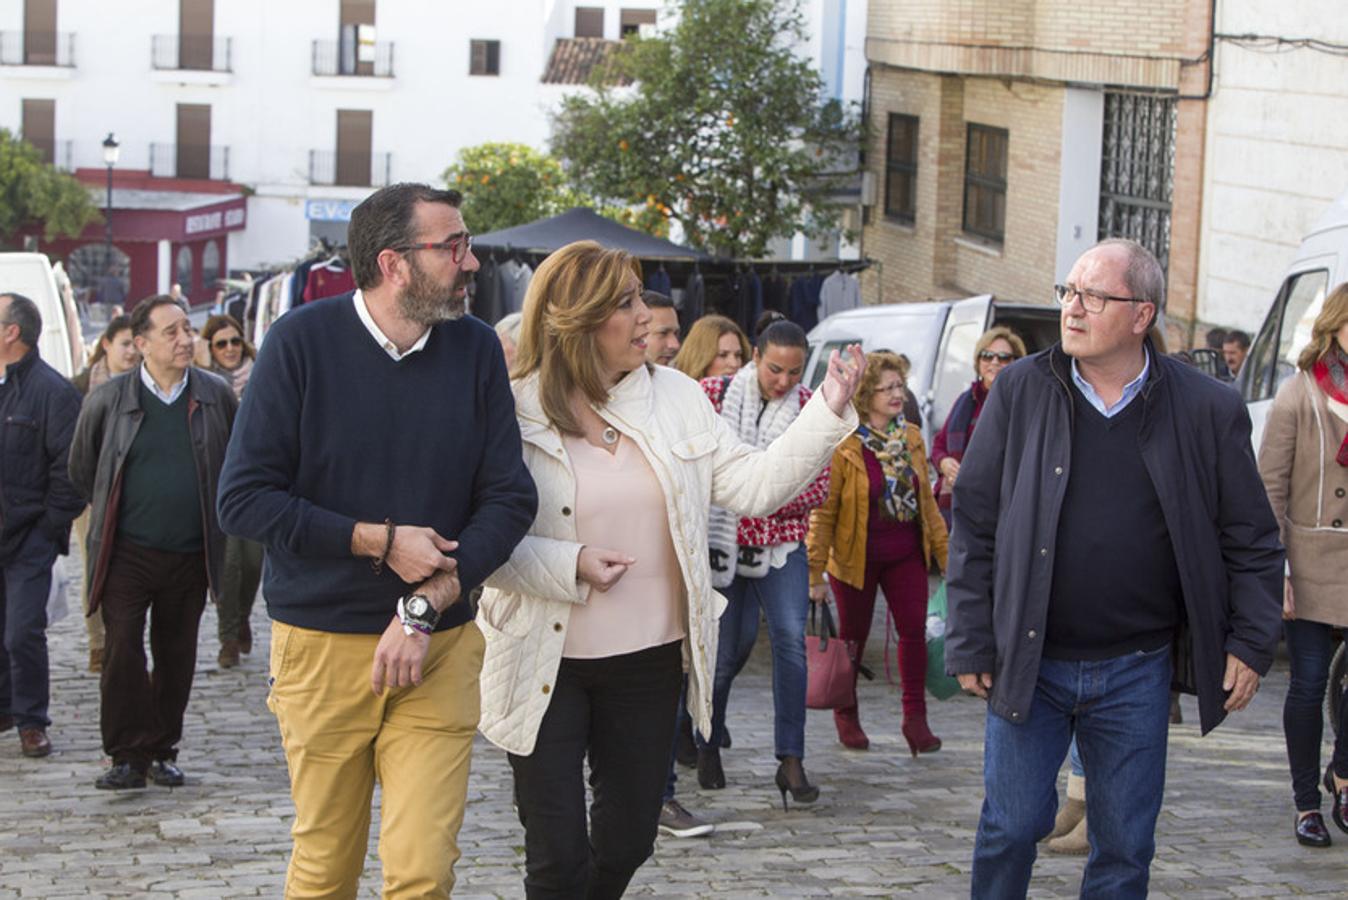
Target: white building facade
x=1277, y=148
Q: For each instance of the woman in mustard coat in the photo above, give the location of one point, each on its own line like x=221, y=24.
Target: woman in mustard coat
x=880, y=528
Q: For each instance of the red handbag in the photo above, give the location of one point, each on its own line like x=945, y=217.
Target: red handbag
x=832, y=682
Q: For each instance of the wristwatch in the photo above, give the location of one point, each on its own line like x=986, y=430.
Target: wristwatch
x=417, y=614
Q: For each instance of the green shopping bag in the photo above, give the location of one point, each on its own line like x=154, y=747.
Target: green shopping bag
x=939, y=684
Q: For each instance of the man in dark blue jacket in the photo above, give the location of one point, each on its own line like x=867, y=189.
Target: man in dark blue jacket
x=378, y=458
x=38, y=409
x=1111, y=536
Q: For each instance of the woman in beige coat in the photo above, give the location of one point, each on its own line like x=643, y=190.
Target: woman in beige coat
x=591, y=623
x=1304, y=463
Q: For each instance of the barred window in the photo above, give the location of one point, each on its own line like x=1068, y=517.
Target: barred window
x=1137, y=171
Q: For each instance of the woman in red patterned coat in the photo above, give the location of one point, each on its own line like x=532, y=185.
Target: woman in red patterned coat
x=760, y=563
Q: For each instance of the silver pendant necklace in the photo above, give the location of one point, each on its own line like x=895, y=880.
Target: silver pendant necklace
x=609, y=436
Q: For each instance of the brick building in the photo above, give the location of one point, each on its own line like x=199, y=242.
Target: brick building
x=1006, y=136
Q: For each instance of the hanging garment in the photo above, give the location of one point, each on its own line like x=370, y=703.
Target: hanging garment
x=838, y=293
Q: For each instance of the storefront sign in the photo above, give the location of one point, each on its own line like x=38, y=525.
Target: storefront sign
x=229, y=219
x=329, y=210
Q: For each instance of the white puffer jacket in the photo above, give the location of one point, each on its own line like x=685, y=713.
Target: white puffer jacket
x=698, y=461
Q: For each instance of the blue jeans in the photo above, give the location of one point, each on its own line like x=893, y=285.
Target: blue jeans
x=1310, y=649
x=1118, y=709
x=784, y=596
x=25, y=583
x=1074, y=757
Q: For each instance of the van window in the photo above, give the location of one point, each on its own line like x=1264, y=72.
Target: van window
x=821, y=361
x=957, y=368
x=1273, y=358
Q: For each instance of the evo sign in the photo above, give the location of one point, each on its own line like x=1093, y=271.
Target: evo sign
x=329, y=210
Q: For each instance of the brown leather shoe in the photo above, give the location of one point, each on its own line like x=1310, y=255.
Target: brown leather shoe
x=34, y=742
x=229, y=654
x=245, y=638
x=95, y=659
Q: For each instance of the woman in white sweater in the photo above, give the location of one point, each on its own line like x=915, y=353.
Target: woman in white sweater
x=608, y=600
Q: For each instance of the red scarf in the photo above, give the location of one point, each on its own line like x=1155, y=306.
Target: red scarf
x=1331, y=374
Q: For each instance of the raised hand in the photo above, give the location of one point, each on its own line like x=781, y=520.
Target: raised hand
x=843, y=377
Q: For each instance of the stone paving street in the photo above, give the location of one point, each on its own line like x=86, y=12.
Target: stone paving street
x=885, y=825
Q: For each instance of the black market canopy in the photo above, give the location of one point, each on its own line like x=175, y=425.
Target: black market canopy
x=546, y=235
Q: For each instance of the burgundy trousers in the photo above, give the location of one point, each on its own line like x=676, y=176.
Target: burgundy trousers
x=904, y=582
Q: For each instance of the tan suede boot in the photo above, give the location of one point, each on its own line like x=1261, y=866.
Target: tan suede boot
x=1074, y=843
x=1073, y=811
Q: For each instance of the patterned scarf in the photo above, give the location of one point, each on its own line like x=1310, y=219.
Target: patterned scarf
x=891, y=449
x=1331, y=374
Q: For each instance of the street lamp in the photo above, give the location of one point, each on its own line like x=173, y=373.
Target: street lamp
x=111, y=149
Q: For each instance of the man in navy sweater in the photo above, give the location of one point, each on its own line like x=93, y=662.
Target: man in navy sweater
x=1111, y=537
x=377, y=456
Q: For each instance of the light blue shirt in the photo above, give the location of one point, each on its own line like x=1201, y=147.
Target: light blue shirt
x=173, y=394
x=1130, y=390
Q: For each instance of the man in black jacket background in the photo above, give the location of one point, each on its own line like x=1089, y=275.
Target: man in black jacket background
x=38, y=409
x=1111, y=536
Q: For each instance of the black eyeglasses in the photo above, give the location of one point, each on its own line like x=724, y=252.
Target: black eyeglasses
x=990, y=355
x=1093, y=301
x=227, y=342
x=458, y=246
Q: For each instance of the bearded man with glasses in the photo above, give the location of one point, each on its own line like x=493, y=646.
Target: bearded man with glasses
x=378, y=458
x=1111, y=536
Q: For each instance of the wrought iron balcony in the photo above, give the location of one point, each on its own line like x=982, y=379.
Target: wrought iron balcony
x=185, y=161
x=351, y=58
x=192, y=54
x=37, y=48
x=349, y=169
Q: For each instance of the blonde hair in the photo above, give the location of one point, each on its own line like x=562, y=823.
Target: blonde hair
x=701, y=346
x=878, y=362
x=570, y=297
x=1000, y=332
x=1333, y=316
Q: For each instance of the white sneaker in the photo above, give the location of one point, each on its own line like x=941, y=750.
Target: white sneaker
x=679, y=822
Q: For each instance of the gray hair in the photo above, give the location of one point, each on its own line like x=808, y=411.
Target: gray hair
x=24, y=313
x=383, y=221
x=509, y=327
x=1144, y=277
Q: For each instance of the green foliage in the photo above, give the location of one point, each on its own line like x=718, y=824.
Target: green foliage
x=33, y=191
x=726, y=131
x=504, y=185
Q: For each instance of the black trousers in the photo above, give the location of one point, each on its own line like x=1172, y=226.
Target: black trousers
x=142, y=712
x=620, y=712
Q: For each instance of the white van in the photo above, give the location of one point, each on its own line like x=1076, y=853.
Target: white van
x=1320, y=265
x=61, y=343
x=938, y=337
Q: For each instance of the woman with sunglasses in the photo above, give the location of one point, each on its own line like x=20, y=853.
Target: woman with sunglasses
x=996, y=349
x=232, y=359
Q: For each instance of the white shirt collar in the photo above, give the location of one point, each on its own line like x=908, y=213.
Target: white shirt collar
x=380, y=338
x=1130, y=390
x=173, y=394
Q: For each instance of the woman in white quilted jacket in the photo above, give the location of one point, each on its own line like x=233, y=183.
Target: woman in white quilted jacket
x=607, y=601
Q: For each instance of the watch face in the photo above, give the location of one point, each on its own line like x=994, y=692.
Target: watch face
x=418, y=606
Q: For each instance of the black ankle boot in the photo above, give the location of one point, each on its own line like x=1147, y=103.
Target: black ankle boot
x=709, y=772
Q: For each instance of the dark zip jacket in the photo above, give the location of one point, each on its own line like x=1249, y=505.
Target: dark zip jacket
x=1195, y=444
x=38, y=408
x=103, y=436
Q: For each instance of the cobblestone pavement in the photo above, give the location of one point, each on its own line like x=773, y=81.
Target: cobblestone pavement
x=885, y=824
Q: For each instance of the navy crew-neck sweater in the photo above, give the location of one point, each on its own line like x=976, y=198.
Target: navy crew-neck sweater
x=333, y=431
x=1116, y=586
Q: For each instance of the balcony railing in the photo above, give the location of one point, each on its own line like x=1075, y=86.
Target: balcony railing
x=37, y=48
x=174, y=161
x=350, y=58
x=349, y=169
x=193, y=54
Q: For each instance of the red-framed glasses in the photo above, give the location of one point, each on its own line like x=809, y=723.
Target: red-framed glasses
x=458, y=246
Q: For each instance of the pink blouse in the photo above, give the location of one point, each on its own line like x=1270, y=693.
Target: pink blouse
x=620, y=506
